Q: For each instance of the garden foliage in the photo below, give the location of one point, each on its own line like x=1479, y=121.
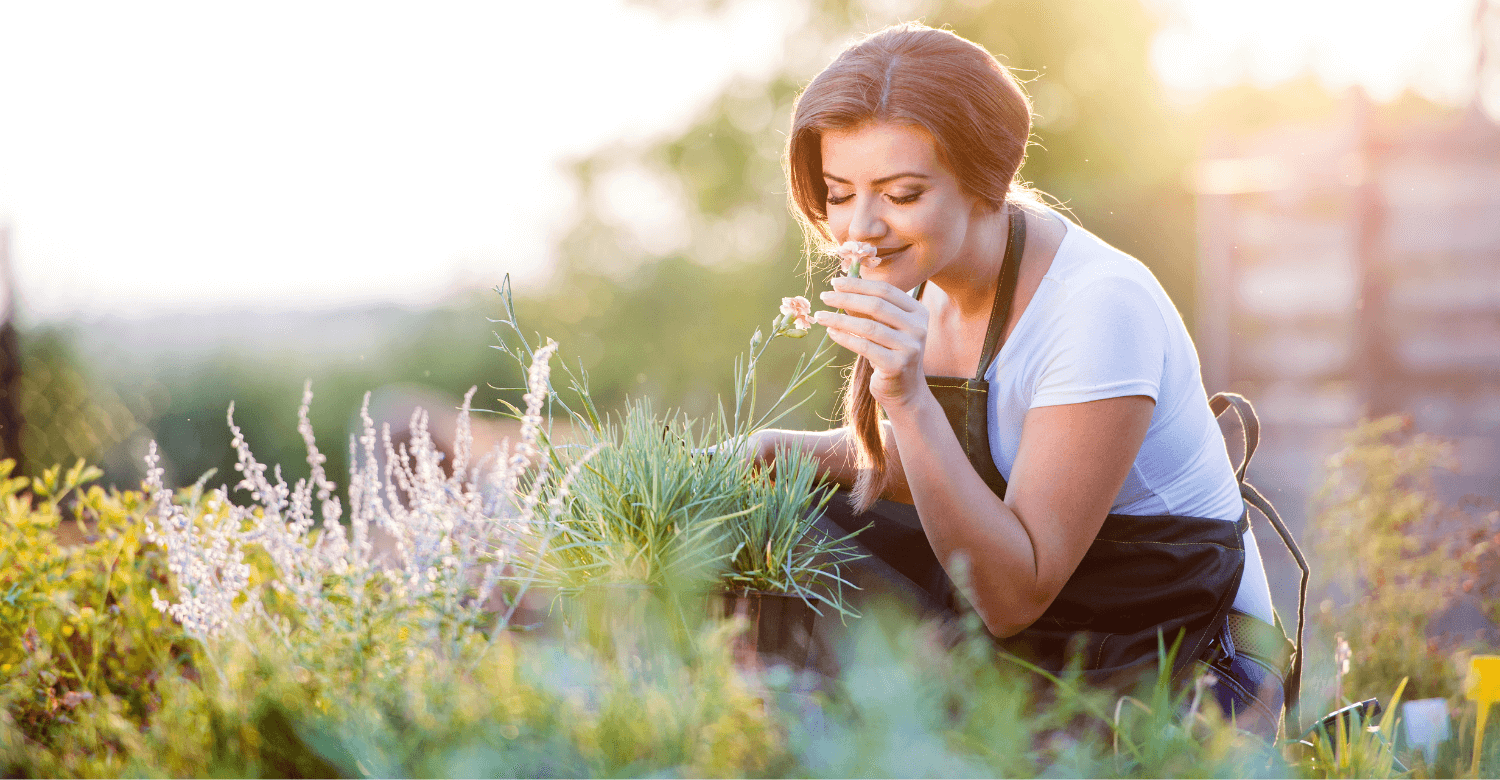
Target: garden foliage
x=277, y=629
x=1401, y=555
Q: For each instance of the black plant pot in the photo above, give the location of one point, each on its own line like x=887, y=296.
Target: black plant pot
x=782, y=629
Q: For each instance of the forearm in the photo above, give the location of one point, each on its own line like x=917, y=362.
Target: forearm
x=836, y=455
x=960, y=514
x=832, y=449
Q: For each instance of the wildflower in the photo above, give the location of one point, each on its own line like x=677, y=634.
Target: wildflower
x=441, y=528
x=799, y=310
x=853, y=253
x=72, y=699
x=1205, y=681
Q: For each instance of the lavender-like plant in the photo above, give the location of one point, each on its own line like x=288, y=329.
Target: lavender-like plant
x=452, y=533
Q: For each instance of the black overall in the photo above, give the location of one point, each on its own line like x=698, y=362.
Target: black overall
x=1144, y=580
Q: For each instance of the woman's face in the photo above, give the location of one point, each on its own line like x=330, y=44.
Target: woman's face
x=886, y=187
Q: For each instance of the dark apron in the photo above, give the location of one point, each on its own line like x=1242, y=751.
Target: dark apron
x=1145, y=582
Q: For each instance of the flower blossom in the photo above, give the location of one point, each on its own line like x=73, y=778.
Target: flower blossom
x=799, y=310
x=857, y=253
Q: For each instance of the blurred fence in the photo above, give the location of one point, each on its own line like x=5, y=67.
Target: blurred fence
x=1352, y=268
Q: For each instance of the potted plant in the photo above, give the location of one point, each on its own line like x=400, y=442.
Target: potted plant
x=668, y=514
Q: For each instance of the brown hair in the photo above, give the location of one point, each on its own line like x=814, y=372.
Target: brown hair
x=979, y=119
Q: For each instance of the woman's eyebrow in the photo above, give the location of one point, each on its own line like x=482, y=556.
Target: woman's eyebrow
x=879, y=181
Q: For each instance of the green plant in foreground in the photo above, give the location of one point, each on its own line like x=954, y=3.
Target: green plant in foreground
x=81, y=646
x=381, y=697
x=1354, y=748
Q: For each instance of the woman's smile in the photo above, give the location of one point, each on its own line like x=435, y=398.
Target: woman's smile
x=888, y=255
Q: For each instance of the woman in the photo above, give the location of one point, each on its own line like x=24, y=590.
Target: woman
x=1045, y=423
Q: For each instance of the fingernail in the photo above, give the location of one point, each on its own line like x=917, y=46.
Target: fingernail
x=823, y=296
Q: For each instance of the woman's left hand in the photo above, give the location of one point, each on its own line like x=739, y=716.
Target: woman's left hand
x=887, y=327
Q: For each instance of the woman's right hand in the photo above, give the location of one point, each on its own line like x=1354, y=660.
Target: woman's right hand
x=887, y=327
x=758, y=447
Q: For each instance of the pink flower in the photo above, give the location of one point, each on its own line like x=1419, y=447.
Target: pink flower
x=799, y=310
x=855, y=253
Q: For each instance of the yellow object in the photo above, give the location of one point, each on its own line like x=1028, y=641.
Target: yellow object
x=1483, y=688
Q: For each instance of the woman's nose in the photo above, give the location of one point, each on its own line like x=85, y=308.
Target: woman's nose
x=868, y=223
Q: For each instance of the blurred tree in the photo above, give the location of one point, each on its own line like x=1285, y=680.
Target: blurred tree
x=67, y=412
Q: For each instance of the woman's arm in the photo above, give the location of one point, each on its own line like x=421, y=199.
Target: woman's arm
x=1072, y=461
x=834, y=451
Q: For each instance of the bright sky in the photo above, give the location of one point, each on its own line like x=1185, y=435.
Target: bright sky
x=294, y=155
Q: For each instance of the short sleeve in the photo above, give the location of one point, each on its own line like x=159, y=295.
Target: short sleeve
x=1109, y=340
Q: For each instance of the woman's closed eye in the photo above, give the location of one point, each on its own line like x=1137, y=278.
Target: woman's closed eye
x=899, y=200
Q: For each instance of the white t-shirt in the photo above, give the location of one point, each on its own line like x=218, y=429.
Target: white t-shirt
x=1100, y=326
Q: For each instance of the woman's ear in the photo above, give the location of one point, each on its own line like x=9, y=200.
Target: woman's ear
x=981, y=207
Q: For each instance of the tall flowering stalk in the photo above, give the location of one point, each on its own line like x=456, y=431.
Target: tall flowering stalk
x=205, y=555
x=794, y=321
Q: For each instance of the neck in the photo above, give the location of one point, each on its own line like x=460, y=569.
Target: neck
x=970, y=283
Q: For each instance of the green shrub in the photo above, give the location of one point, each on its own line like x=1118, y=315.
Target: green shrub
x=1400, y=555
x=81, y=647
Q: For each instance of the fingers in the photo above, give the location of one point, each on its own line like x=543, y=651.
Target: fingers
x=845, y=286
x=867, y=305
x=883, y=358
x=865, y=328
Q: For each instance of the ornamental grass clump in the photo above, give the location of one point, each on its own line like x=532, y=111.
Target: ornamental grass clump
x=653, y=507
x=678, y=506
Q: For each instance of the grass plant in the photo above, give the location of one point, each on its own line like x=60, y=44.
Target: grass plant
x=665, y=501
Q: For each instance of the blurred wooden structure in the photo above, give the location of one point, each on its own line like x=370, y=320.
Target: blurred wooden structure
x=1349, y=269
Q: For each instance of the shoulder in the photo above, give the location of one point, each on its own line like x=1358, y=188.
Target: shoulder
x=1084, y=260
x=1097, y=283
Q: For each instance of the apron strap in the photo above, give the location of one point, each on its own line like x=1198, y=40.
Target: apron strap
x=1250, y=428
x=1005, y=291
x=1293, y=685
x=1249, y=424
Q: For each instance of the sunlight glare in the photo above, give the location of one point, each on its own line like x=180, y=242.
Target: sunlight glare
x=1383, y=47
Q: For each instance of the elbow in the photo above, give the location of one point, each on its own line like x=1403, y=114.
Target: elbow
x=1007, y=620
x=1010, y=599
